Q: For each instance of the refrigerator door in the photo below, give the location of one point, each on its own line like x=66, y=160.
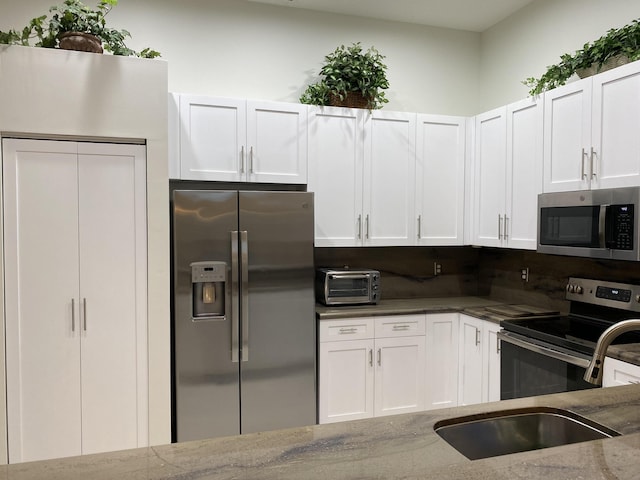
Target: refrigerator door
x=278, y=367
x=206, y=374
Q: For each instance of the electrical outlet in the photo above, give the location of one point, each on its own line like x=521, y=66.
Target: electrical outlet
x=524, y=274
x=437, y=268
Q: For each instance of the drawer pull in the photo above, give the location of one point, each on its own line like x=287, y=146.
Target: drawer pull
x=400, y=327
x=348, y=330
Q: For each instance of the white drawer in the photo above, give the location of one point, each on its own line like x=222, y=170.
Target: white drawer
x=399, y=326
x=346, y=329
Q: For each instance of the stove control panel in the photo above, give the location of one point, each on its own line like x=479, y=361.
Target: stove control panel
x=609, y=294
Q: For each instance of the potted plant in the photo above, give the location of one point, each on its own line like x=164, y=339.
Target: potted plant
x=352, y=78
x=75, y=26
x=615, y=48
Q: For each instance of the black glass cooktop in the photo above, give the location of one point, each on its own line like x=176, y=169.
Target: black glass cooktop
x=572, y=332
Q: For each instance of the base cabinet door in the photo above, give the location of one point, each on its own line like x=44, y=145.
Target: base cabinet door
x=75, y=318
x=441, y=373
x=617, y=372
x=399, y=378
x=345, y=380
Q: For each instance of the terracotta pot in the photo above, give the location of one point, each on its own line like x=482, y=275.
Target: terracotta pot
x=83, y=42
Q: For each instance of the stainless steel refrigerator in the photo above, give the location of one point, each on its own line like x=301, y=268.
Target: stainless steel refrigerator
x=244, y=348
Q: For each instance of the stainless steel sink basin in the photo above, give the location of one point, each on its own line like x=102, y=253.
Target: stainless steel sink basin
x=511, y=431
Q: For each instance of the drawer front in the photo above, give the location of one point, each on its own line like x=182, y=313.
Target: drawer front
x=346, y=329
x=399, y=326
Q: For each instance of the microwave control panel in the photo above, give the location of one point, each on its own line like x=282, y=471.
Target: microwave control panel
x=621, y=237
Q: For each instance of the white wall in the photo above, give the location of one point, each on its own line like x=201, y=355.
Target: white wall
x=533, y=38
x=56, y=92
x=245, y=49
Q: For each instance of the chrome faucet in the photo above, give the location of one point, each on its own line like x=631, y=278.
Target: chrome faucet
x=594, y=370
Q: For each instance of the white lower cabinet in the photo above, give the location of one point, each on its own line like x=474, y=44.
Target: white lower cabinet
x=371, y=366
x=617, y=372
x=442, y=360
x=479, y=357
x=75, y=297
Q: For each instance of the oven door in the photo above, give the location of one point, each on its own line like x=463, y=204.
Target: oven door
x=529, y=367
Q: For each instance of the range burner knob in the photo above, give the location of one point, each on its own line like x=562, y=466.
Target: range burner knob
x=637, y=298
x=571, y=288
x=579, y=289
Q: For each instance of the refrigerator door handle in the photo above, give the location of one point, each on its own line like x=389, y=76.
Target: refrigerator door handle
x=244, y=308
x=235, y=311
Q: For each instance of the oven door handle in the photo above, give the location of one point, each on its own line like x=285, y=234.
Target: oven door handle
x=542, y=350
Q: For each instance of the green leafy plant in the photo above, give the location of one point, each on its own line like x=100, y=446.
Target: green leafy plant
x=350, y=69
x=74, y=16
x=622, y=42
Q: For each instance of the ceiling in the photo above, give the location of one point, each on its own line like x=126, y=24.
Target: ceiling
x=471, y=15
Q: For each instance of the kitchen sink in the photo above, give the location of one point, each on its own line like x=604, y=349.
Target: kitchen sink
x=511, y=431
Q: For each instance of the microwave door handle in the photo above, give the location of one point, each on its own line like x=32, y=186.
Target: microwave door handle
x=606, y=224
x=355, y=276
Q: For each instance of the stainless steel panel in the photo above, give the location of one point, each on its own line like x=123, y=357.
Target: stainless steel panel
x=278, y=380
x=206, y=379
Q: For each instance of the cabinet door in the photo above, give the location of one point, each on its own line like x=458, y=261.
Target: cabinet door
x=112, y=251
x=335, y=175
x=616, y=116
x=470, y=379
x=567, y=137
x=346, y=377
x=491, y=362
x=400, y=375
x=524, y=172
x=440, y=158
x=490, y=178
x=276, y=142
x=212, y=138
x=441, y=376
x=616, y=372
x=389, y=179
x=41, y=299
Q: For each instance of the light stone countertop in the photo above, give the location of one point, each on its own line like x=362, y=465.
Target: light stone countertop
x=395, y=447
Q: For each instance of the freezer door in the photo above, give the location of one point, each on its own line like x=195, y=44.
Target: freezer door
x=278, y=367
x=206, y=375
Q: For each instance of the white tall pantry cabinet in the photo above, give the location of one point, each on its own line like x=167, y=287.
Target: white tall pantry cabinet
x=76, y=310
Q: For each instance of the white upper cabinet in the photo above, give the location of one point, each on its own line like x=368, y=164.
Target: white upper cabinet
x=389, y=173
x=336, y=174
x=590, y=132
x=490, y=175
x=508, y=166
x=237, y=140
x=361, y=169
x=440, y=162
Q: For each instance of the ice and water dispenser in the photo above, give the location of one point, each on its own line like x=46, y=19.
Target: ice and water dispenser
x=208, y=290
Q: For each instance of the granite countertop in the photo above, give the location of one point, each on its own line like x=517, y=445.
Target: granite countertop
x=395, y=447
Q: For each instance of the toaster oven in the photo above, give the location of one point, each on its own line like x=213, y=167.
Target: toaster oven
x=345, y=286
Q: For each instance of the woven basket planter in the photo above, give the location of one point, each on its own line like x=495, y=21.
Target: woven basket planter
x=83, y=42
x=612, y=62
x=351, y=100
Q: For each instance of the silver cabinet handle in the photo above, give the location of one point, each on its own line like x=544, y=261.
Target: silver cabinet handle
x=367, y=226
x=593, y=164
x=419, y=226
x=397, y=328
x=235, y=317
x=477, y=336
x=360, y=226
x=84, y=314
x=251, y=160
x=497, y=345
x=344, y=331
x=242, y=159
x=73, y=314
x=379, y=357
x=506, y=227
x=244, y=279
x=583, y=175
x=371, y=357
x=499, y=227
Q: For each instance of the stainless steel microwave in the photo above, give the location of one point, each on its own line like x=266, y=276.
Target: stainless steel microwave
x=590, y=223
x=345, y=286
